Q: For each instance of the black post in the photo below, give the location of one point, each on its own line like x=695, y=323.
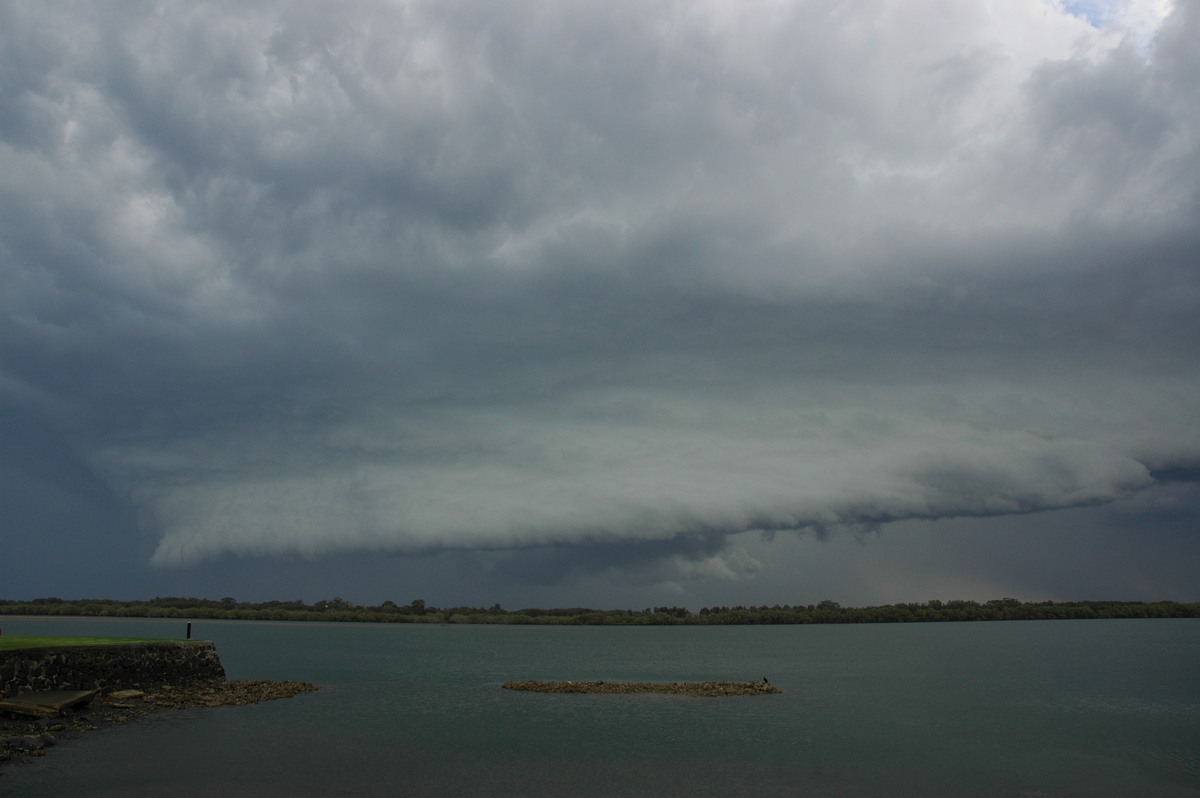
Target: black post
x=189, y=636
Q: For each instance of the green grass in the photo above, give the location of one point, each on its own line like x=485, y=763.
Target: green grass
x=16, y=641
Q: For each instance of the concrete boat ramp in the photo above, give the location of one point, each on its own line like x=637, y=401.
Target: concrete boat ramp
x=46, y=703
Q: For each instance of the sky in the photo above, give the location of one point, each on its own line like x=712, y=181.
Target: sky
x=608, y=304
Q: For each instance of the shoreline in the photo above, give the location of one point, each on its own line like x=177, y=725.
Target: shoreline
x=24, y=739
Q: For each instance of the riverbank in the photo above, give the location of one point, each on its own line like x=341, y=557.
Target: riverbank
x=24, y=738
x=824, y=612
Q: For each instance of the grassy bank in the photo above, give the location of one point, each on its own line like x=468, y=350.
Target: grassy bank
x=17, y=641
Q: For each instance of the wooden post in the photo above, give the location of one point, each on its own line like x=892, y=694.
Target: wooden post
x=189, y=630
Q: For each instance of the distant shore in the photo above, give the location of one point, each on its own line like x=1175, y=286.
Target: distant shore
x=22, y=739
x=824, y=612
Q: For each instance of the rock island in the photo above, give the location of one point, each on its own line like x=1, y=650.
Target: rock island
x=698, y=689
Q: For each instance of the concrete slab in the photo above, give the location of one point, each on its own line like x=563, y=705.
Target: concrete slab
x=45, y=703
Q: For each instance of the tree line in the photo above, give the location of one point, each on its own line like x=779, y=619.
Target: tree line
x=418, y=611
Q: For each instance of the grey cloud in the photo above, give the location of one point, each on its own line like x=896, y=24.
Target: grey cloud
x=604, y=280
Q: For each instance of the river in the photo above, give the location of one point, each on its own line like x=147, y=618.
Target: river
x=1017, y=709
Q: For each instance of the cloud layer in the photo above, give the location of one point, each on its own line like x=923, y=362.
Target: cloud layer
x=424, y=276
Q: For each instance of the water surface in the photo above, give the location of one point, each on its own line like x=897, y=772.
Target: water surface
x=1056, y=708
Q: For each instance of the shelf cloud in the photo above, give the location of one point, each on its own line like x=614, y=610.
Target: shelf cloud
x=417, y=277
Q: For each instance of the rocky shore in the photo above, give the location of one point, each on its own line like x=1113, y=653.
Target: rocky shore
x=22, y=738
x=698, y=689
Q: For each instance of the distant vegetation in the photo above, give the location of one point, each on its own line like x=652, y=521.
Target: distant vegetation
x=417, y=611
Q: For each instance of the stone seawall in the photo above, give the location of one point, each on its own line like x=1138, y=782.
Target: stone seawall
x=108, y=667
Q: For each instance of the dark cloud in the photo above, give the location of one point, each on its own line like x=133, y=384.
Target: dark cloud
x=580, y=291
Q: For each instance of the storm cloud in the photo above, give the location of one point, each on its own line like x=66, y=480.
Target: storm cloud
x=283, y=279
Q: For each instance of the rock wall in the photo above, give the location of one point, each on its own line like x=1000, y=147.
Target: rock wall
x=108, y=667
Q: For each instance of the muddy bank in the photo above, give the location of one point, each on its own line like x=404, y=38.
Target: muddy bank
x=24, y=738
x=699, y=689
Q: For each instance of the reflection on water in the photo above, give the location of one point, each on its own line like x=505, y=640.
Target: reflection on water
x=1070, y=708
